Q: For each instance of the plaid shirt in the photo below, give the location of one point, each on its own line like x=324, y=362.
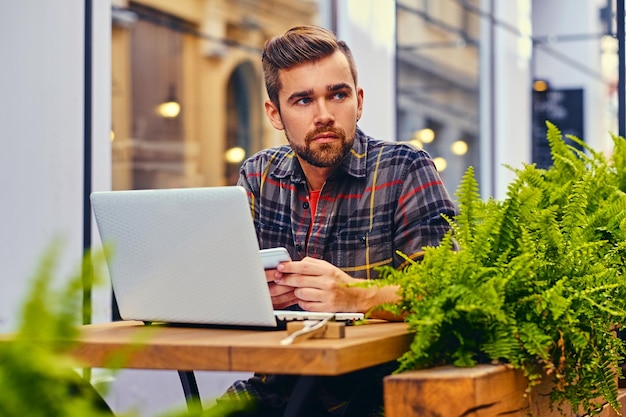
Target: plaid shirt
x=385, y=196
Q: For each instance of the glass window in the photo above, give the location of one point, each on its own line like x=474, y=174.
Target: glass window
x=148, y=130
x=437, y=66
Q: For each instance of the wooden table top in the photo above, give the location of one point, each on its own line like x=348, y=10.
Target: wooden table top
x=130, y=344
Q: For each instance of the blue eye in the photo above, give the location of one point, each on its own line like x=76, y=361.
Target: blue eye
x=304, y=100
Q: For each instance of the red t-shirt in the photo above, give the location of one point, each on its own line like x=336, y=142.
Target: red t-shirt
x=314, y=197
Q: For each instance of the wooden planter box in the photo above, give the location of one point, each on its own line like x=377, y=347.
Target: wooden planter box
x=481, y=391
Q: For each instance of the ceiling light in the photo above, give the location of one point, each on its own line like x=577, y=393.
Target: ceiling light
x=459, y=147
x=424, y=135
x=440, y=163
x=235, y=155
x=170, y=108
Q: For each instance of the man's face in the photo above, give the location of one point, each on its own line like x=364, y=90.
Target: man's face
x=319, y=108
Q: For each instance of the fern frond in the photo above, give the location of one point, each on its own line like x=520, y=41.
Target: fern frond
x=618, y=161
x=468, y=198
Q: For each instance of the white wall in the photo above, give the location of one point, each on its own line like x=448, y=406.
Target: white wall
x=368, y=26
x=41, y=114
x=505, y=84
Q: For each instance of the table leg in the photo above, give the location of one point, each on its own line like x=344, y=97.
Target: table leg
x=190, y=388
x=301, y=392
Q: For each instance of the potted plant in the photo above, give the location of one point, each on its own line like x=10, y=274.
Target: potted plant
x=538, y=281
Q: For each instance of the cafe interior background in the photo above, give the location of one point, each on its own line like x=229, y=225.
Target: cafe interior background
x=121, y=94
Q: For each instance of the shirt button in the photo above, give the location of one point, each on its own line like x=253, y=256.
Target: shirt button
x=305, y=205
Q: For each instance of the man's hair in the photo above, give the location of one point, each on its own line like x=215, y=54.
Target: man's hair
x=299, y=45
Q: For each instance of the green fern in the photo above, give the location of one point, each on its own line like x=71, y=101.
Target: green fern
x=538, y=278
x=37, y=376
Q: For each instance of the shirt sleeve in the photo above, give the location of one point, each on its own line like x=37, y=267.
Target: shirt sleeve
x=421, y=205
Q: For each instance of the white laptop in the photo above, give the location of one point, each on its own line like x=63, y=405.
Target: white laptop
x=188, y=256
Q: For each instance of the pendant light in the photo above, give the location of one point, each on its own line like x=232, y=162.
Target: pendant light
x=170, y=108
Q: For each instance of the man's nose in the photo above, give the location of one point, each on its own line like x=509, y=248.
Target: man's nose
x=323, y=115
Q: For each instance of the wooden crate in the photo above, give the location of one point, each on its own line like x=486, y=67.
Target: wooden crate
x=480, y=391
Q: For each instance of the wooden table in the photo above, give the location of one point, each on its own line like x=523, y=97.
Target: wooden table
x=131, y=344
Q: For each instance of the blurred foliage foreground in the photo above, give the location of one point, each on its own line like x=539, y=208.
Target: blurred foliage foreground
x=538, y=281
x=38, y=377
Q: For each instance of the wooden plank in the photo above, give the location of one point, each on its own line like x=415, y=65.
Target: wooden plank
x=481, y=391
x=363, y=346
x=330, y=330
x=449, y=391
x=196, y=348
x=130, y=344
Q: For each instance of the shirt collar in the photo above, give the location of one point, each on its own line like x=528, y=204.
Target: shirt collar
x=354, y=164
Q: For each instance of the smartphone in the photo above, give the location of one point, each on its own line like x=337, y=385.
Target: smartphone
x=272, y=257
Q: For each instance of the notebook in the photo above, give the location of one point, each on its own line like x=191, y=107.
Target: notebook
x=188, y=256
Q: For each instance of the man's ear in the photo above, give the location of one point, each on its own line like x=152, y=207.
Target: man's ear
x=359, y=97
x=273, y=114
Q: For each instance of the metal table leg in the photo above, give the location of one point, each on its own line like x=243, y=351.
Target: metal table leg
x=190, y=388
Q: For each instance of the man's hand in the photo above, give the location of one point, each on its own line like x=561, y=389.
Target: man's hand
x=282, y=296
x=316, y=285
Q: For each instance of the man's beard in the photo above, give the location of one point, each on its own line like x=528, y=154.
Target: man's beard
x=325, y=155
